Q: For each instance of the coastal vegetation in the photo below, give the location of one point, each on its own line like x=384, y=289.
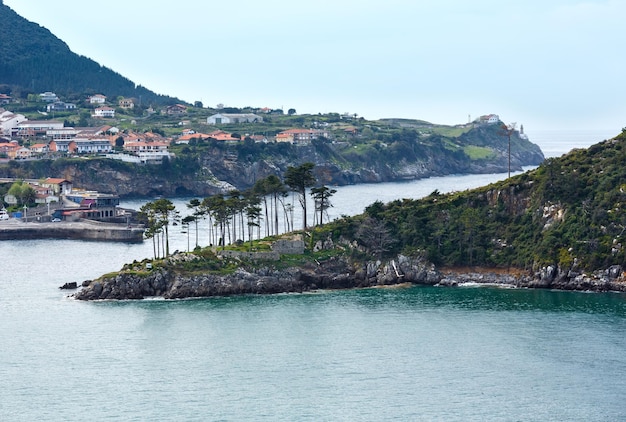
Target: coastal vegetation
x=558, y=226
x=567, y=212
x=23, y=192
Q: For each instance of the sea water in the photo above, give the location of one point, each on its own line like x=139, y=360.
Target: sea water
x=410, y=353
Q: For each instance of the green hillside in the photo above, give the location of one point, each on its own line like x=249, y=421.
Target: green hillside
x=33, y=60
x=569, y=211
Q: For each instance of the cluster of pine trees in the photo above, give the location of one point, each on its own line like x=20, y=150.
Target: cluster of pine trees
x=237, y=215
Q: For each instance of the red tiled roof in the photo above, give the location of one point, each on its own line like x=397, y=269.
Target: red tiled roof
x=193, y=136
x=53, y=181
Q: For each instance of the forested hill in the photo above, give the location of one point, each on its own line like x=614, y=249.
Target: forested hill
x=570, y=213
x=33, y=60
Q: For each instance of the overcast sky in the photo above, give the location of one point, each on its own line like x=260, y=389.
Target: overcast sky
x=546, y=64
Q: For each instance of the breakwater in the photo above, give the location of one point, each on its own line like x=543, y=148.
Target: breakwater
x=78, y=230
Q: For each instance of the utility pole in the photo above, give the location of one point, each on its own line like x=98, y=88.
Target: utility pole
x=509, y=130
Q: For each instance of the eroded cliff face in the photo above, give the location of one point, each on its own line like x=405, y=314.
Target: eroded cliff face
x=103, y=176
x=336, y=273
x=332, y=274
x=242, y=173
x=219, y=170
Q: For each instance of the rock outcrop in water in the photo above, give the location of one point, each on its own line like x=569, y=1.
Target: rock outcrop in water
x=335, y=273
x=551, y=277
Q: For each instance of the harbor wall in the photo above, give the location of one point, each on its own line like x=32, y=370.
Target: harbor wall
x=76, y=230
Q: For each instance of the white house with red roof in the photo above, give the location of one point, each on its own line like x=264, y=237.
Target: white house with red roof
x=58, y=186
x=489, y=119
x=39, y=148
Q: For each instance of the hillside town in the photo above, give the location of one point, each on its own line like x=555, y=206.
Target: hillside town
x=22, y=138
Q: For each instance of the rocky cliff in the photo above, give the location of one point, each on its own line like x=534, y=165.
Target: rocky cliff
x=332, y=274
x=210, y=168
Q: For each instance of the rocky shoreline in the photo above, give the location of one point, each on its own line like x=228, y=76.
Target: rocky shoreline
x=334, y=273
x=551, y=277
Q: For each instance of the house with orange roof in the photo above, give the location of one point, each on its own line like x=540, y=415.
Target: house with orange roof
x=155, y=137
x=301, y=136
x=284, y=137
x=220, y=135
x=184, y=139
x=58, y=186
x=9, y=149
x=39, y=148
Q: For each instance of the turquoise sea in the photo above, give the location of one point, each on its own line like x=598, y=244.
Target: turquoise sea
x=406, y=354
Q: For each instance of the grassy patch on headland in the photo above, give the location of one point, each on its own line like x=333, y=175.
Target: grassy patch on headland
x=479, y=153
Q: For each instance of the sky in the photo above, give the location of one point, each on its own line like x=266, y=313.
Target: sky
x=546, y=64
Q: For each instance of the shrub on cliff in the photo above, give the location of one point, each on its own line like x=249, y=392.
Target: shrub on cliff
x=569, y=210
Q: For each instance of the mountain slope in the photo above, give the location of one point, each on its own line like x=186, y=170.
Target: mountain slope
x=570, y=212
x=33, y=60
